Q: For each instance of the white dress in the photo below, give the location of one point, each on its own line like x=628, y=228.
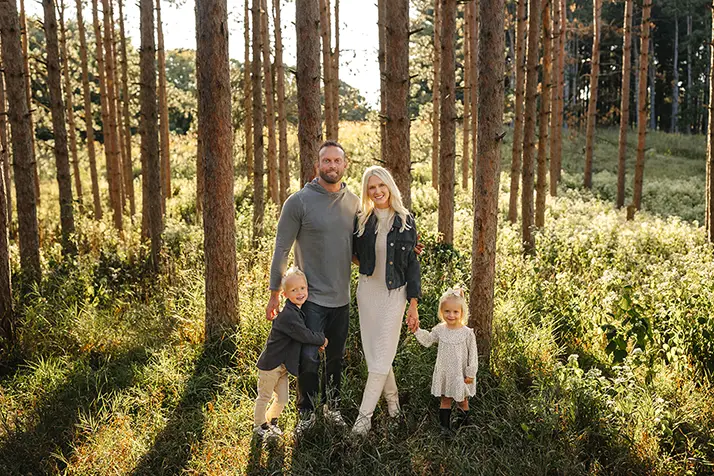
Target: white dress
x=380, y=310
x=456, y=358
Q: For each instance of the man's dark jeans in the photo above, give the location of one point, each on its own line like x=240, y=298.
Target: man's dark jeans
x=334, y=322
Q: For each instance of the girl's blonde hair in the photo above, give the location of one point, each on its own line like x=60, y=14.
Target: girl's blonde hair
x=457, y=294
x=395, y=198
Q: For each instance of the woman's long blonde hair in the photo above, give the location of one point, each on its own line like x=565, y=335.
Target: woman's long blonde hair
x=395, y=198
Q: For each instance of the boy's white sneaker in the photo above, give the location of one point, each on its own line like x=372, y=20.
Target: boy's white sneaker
x=333, y=416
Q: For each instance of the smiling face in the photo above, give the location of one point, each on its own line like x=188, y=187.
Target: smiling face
x=295, y=290
x=331, y=164
x=452, y=313
x=378, y=192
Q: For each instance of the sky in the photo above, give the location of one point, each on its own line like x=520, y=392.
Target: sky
x=358, y=35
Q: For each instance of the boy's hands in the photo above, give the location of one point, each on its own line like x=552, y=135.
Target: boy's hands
x=322, y=347
x=271, y=310
x=468, y=380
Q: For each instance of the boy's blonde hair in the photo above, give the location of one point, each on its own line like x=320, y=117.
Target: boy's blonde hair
x=292, y=271
x=456, y=293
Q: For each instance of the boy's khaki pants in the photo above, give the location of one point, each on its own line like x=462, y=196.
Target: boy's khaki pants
x=271, y=382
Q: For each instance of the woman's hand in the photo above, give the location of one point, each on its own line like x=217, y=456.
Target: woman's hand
x=413, y=316
x=468, y=380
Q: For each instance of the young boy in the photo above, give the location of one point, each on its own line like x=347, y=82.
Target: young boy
x=282, y=354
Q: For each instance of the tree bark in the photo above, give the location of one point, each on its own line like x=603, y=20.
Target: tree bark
x=69, y=103
x=126, y=126
x=642, y=112
x=624, y=103
x=688, y=98
x=545, y=104
x=486, y=178
x=256, y=65
x=200, y=170
x=592, y=104
x=325, y=32
x=336, y=75
x=273, y=172
x=59, y=131
x=118, y=131
x=674, y=125
x=382, y=58
x=396, y=81
x=527, y=208
x=219, y=214
x=149, y=131
x=474, y=14
x=5, y=151
x=283, y=164
x=517, y=148
x=247, y=93
x=436, y=97
x=653, y=84
x=7, y=317
x=164, y=141
x=709, y=197
x=307, y=14
x=466, y=122
x=556, y=118
x=447, y=130
x=28, y=92
x=88, y=117
x=22, y=145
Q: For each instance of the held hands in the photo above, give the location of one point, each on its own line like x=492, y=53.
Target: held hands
x=413, y=316
x=322, y=347
x=468, y=380
x=271, y=310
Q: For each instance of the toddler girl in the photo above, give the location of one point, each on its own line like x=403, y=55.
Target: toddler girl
x=456, y=360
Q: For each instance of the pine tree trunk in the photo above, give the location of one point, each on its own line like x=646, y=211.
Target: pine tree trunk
x=642, y=112
x=59, y=131
x=397, y=158
x=381, y=58
x=273, y=172
x=336, y=75
x=545, y=105
x=69, y=103
x=473, y=13
x=592, y=104
x=327, y=65
x=674, y=126
x=486, y=179
x=149, y=130
x=200, y=169
x=527, y=206
x=219, y=214
x=164, y=142
x=7, y=317
x=126, y=125
x=283, y=164
x=256, y=65
x=517, y=148
x=653, y=86
x=22, y=146
x=709, y=197
x=111, y=143
x=118, y=131
x=624, y=103
x=5, y=151
x=88, y=116
x=28, y=93
x=247, y=93
x=556, y=118
x=688, y=97
x=466, y=122
x=307, y=12
x=447, y=130
x=436, y=97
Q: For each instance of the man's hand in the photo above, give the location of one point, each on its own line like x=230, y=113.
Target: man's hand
x=271, y=310
x=419, y=247
x=468, y=380
x=322, y=347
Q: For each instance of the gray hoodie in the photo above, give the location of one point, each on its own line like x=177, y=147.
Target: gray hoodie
x=320, y=224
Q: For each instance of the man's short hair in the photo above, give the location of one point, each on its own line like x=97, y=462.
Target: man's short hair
x=330, y=143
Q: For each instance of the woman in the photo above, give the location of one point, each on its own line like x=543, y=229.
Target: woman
x=384, y=242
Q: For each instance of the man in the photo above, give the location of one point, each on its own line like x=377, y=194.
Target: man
x=319, y=220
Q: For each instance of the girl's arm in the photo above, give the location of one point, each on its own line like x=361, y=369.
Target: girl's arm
x=472, y=366
x=427, y=338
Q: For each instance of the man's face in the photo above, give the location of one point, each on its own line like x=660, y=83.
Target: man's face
x=331, y=164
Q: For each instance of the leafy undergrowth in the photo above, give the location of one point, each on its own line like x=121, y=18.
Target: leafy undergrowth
x=602, y=361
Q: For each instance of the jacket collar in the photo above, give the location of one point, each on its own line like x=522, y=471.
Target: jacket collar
x=289, y=305
x=372, y=221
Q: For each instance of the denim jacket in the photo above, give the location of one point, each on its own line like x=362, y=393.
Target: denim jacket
x=402, y=263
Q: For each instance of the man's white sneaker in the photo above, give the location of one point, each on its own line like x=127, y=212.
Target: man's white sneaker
x=333, y=416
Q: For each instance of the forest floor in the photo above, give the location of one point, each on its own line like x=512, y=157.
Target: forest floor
x=603, y=342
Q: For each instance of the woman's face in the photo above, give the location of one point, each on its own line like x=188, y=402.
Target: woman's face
x=378, y=192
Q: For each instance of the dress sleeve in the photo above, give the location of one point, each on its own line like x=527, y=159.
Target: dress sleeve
x=427, y=338
x=472, y=367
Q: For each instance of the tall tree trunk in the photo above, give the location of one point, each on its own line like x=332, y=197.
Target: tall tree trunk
x=21, y=133
x=5, y=150
x=592, y=104
x=273, y=172
x=517, y=149
x=165, y=145
x=447, y=130
x=674, y=126
x=642, y=112
x=336, y=75
x=88, y=116
x=688, y=98
x=486, y=178
x=307, y=12
x=545, y=105
x=527, y=208
x=283, y=164
x=219, y=215
x=256, y=65
x=200, y=169
x=28, y=93
x=111, y=143
x=398, y=159
x=653, y=83
x=327, y=65
x=466, y=122
x=556, y=118
x=709, y=197
x=7, y=318
x=118, y=131
x=59, y=131
x=558, y=155
x=473, y=11
x=126, y=126
x=436, y=97
x=149, y=130
x=247, y=93
x=382, y=58
x=104, y=104
x=624, y=103
x=69, y=103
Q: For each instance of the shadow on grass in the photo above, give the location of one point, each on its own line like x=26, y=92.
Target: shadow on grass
x=266, y=457
x=172, y=447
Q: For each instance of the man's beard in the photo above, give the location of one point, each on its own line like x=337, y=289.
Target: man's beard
x=329, y=179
